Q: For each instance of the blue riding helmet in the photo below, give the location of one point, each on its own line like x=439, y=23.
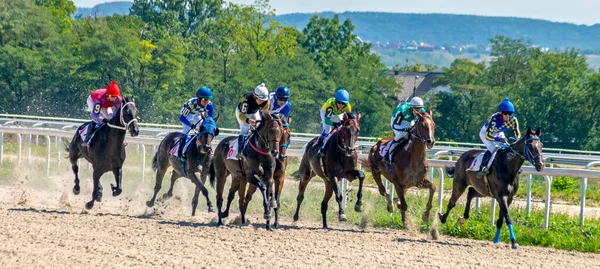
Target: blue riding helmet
x=506, y=106
x=282, y=92
x=204, y=92
x=342, y=96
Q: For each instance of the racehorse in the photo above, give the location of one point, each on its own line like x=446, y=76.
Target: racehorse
x=196, y=163
x=409, y=164
x=278, y=174
x=106, y=151
x=258, y=167
x=340, y=161
x=501, y=183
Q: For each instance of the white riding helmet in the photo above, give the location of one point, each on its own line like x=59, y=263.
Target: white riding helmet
x=261, y=92
x=416, y=102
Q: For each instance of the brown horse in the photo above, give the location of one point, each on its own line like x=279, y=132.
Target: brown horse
x=409, y=164
x=340, y=161
x=278, y=175
x=259, y=167
x=502, y=183
x=196, y=164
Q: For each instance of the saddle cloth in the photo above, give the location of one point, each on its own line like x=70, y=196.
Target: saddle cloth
x=476, y=164
x=233, y=149
x=173, y=150
x=83, y=131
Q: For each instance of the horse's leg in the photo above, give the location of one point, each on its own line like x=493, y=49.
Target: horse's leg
x=116, y=190
x=73, y=157
x=243, y=205
x=328, y=194
x=199, y=188
x=304, y=179
x=251, y=190
x=278, y=189
x=401, y=192
x=235, y=185
x=458, y=188
x=160, y=174
x=96, y=180
x=504, y=203
x=203, y=176
x=174, y=177
x=264, y=190
x=499, y=222
x=221, y=177
x=361, y=179
x=472, y=193
x=431, y=187
x=377, y=177
x=338, y=197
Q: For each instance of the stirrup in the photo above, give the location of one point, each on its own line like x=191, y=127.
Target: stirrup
x=484, y=171
x=321, y=153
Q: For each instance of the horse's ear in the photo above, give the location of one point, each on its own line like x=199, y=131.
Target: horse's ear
x=359, y=116
x=537, y=132
x=289, y=120
x=528, y=131
x=217, y=118
x=216, y=131
x=430, y=112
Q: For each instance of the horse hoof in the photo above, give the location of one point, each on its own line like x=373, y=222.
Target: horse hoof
x=426, y=217
x=117, y=192
x=296, y=217
x=496, y=242
x=515, y=245
x=268, y=216
x=460, y=221
x=99, y=198
x=166, y=196
x=76, y=189
x=358, y=208
x=211, y=209
x=89, y=205
x=390, y=208
x=343, y=217
x=224, y=215
x=275, y=225
x=273, y=204
x=150, y=203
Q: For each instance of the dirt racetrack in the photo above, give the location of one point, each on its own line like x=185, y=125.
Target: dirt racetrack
x=41, y=228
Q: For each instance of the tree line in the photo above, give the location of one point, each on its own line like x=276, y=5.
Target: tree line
x=164, y=50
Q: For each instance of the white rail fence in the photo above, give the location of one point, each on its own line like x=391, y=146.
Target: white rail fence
x=434, y=163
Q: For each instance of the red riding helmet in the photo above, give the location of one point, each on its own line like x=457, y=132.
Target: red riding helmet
x=113, y=89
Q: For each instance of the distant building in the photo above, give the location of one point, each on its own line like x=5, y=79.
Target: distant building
x=408, y=80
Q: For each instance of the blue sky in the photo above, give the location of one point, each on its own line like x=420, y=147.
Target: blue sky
x=573, y=11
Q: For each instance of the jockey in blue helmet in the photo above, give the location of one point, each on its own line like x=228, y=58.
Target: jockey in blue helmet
x=332, y=112
x=193, y=112
x=492, y=132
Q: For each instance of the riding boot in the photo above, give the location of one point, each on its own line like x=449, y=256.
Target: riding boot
x=89, y=132
x=321, y=145
x=387, y=156
x=182, y=140
x=484, y=167
x=240, y=153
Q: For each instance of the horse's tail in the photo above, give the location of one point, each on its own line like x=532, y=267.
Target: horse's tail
x=67, y=144
x=366, y=164
x=302, y=169
x=211, y=174
x=450, y=170
x=155, y=162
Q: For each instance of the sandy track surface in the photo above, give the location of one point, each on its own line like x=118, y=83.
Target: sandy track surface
x=49, y=229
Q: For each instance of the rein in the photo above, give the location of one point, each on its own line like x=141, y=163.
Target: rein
x=123, y=124
x=418, y=135
x=265, y=141
x=528, y=155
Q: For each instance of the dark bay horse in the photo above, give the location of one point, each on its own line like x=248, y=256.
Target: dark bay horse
x=107, y=150
x=196, y=163
x=260, y=162
x=409, y=165
x=278, y=174
x=501, y=184
x=340, y=161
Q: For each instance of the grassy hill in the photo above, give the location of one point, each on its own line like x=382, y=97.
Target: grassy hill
x=106, y=9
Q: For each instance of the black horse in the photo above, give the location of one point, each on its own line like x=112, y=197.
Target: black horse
x=196, y=163
x=259, y=166
x=502, y=183
x=340, y=161
x=106, y=151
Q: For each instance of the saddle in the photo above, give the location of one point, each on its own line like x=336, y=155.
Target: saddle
x=175, y=147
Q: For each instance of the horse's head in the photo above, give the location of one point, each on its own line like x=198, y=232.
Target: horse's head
x=269, y=132
x=349, y=132
x=129, y=116
x=425, y=128
x=286, y=133
x=532, y=148
x=208, y=131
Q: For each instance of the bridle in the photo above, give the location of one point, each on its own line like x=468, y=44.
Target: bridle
x=124, y=125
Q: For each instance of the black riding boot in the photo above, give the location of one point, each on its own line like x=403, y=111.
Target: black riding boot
x=240, y=153
x=182, y=141
x=484, y=168
x=90, y=131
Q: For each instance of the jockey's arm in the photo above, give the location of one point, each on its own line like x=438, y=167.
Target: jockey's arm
x=95, y=113
x=210, y=110
x=516, y=128
x=184, y=112
x=242, y=108
x=490, y=133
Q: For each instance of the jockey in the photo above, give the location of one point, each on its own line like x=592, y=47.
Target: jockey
x=492, y=132
x=102, y=104
x=332, y=113
x=279, y=102
x=193, y=112
x=248, y=111
x=402, y=121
